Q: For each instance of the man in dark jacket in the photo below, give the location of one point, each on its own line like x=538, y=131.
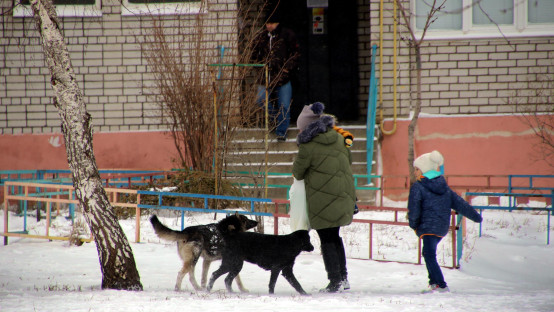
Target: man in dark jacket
x=323, y=162
x=429, y=206
x=277, y=47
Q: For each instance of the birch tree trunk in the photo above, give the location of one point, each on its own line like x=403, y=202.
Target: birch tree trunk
x=115, y=255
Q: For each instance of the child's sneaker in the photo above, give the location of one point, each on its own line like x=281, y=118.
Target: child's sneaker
x=435, y=288
x=431, y=288
x=443, y=289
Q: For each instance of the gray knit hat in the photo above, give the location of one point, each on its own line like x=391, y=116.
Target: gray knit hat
x=309, y=114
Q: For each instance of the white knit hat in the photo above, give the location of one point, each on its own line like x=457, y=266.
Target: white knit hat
x=429, y=161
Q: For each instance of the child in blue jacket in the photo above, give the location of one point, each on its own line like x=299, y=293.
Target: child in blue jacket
x=429, y=205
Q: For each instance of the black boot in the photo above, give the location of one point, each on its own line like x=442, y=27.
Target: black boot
x=332, y=266
x=342, y=265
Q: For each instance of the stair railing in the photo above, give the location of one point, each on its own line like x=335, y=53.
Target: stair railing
x=371, y=112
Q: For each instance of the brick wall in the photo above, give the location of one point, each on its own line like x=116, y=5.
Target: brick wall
x=106, y=54
x=459, y=76
x=462, y=76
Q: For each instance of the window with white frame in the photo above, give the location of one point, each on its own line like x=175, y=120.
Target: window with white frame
x=161, y=7
x=486, y=18
x=64, y=8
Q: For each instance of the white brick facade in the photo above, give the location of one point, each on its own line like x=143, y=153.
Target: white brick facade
x=107, y=57
x=478, y=76
x=461, y=76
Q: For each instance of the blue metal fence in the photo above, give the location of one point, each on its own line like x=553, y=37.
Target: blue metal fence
x=541, y=186
x=205, y=197
x=512, y=198
x=532, y=180
x=56, y=176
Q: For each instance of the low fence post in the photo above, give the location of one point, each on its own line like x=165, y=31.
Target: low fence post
x=137, y=217
x=460, y=237
x=381, y=195
x=371, y=241
x=454, y=258
x=276, y=220
x=548, y=213
x=419, y=251
x=48, y=212
x=58, y=203
x=5, y=214
x=71, y=207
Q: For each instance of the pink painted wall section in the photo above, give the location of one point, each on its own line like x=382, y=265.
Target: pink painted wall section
x=483, y=145
x=121, y=150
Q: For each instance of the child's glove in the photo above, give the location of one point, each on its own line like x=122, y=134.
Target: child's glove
x=348, y=142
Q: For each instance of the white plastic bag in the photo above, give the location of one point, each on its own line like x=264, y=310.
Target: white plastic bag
x=298, y=207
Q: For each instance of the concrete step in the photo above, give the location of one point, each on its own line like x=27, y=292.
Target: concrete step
x=273, y=157
x=285, y=167
x=253, y=134
x=365, y=197
x=247, y=155
x=254, y=143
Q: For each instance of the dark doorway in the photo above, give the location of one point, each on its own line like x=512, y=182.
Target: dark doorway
x=327, y=33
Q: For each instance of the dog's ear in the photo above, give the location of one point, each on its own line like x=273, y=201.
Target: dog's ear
x=230, y=227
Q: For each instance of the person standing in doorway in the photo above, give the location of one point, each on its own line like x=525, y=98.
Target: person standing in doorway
x=277, y=47
x=429, y=207
x=324, y=163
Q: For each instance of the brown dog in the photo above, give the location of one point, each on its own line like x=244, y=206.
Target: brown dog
x=196, y=241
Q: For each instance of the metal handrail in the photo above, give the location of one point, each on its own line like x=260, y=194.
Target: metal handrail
x=371, y=112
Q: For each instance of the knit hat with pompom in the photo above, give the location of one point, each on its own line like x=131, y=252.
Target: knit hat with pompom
x=429, y=161
x=309, y=114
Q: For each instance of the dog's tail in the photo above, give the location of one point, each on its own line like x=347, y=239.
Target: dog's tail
x=166, y=233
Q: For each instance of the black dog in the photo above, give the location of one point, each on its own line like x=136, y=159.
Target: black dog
x=196, y=241
x=276, y=253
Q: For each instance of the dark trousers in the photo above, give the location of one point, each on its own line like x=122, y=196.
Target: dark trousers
x=330, y=235
x=429, y=253
x=333, y=253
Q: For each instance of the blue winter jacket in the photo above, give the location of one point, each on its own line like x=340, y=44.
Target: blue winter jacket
x=429, y=207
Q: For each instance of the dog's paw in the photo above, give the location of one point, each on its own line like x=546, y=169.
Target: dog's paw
x=244, y=290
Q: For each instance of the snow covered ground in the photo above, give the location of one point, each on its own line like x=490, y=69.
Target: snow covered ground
x=509, y=268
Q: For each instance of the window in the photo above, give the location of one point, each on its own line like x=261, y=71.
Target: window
x=540, y=11
x=161, y=7
x=487, y=18
x=64, y=8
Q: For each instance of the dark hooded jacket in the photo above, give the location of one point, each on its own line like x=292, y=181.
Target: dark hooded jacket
x=429, y=205
x=323, y=162
x=279, y=50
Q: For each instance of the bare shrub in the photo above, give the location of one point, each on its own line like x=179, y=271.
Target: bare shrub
x=536, y=107
x=78, y=231
x=202, y=101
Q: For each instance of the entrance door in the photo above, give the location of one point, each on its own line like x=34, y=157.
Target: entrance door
x=328, y=67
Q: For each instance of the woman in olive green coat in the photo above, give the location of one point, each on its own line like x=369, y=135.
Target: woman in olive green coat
x=323, y=162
